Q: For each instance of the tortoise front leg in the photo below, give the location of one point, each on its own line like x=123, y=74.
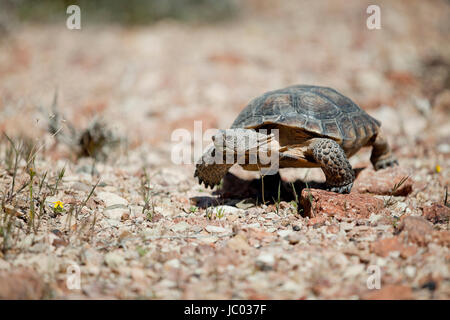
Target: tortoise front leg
x=208, y=171
x=334, y=163
x=382, y=156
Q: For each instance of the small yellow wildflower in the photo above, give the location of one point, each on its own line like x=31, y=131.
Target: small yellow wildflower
x=59, y=205
x=438, y=168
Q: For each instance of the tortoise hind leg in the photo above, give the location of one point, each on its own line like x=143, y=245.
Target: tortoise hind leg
x=382, y=156
x=334, y=163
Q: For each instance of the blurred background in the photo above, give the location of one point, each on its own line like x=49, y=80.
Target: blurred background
x=149, y=67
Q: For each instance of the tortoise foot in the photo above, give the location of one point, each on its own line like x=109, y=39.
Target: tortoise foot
x=340, y=189
x=385, y=163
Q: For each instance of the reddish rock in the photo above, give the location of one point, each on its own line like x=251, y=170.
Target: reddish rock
x=437, y=213
x=390, y=292
x=382, y=182
x=317, y=221
x=316, y=202
x=23, y=284
x=385, y=246
x=416, y=230
x=239, y=243
x=58, y=242
x=334, y=228
x=442, y=237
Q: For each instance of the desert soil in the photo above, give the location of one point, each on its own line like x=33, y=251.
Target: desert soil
x=149, y=230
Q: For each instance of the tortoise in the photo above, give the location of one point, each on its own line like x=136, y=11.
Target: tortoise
x=315, y=127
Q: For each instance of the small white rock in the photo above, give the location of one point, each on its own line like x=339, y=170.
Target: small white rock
x=173, y=263
x=265, y=261
x=374, y=218
x=208, y=240
x=111, y=199
x=228, y=210
x=443, y=148
x=215, y=229
x=410, y=271
x=115, y=214
x=346, y=226
x=272, y=215
x=284, y=233
x=114, y=260
x=180, y=227
x=354, y=270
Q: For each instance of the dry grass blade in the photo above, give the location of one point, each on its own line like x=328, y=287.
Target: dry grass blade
x=391, y=201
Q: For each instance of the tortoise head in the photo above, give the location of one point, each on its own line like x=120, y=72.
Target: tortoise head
x=234, y=143
x=230, y=146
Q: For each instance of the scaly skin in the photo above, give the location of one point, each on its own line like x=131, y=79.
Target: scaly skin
x=209, y=172
x=382, y=156
x=334, y=163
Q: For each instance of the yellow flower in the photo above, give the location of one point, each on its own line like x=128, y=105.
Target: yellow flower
x=58, y=205
x=438, y=168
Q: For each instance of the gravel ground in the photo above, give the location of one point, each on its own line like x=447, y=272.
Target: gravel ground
x=133, y=224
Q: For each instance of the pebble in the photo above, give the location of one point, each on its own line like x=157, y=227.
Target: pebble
x=115, y=214
x=265, y=261
x=111, y=199
x=173, y=263
x=374, y=218
x=215, y=229
x=354, y=270
x=114, y=260
x=284, y=233
x=208, y=240
x=197, y=229
x=444, y=148
x=238, y=242
x=410, y=271
x=272, y=215
x=252, y=225
x=228, y=210
x=180, y=227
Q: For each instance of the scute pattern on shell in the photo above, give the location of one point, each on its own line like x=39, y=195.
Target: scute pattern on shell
x=320, y=110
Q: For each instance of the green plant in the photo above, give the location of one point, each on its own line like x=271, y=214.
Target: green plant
x=277, y=202
x=58, y=180
x=149, y=206
x=58, y=207
x=141, y=251
x=220, y=213
x=7, y=220
x=31, y=173
x=14, y=150
x=395, y=221
x=77, y=209
x=262, y=189
x=193, y=209
x=150, y=212
x=209, y=214
x=295, y=203
x=42, y=181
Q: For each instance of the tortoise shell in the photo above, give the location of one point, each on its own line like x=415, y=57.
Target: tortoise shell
x=320, y=111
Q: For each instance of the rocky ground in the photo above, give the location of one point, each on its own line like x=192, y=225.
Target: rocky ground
x=136, y=225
